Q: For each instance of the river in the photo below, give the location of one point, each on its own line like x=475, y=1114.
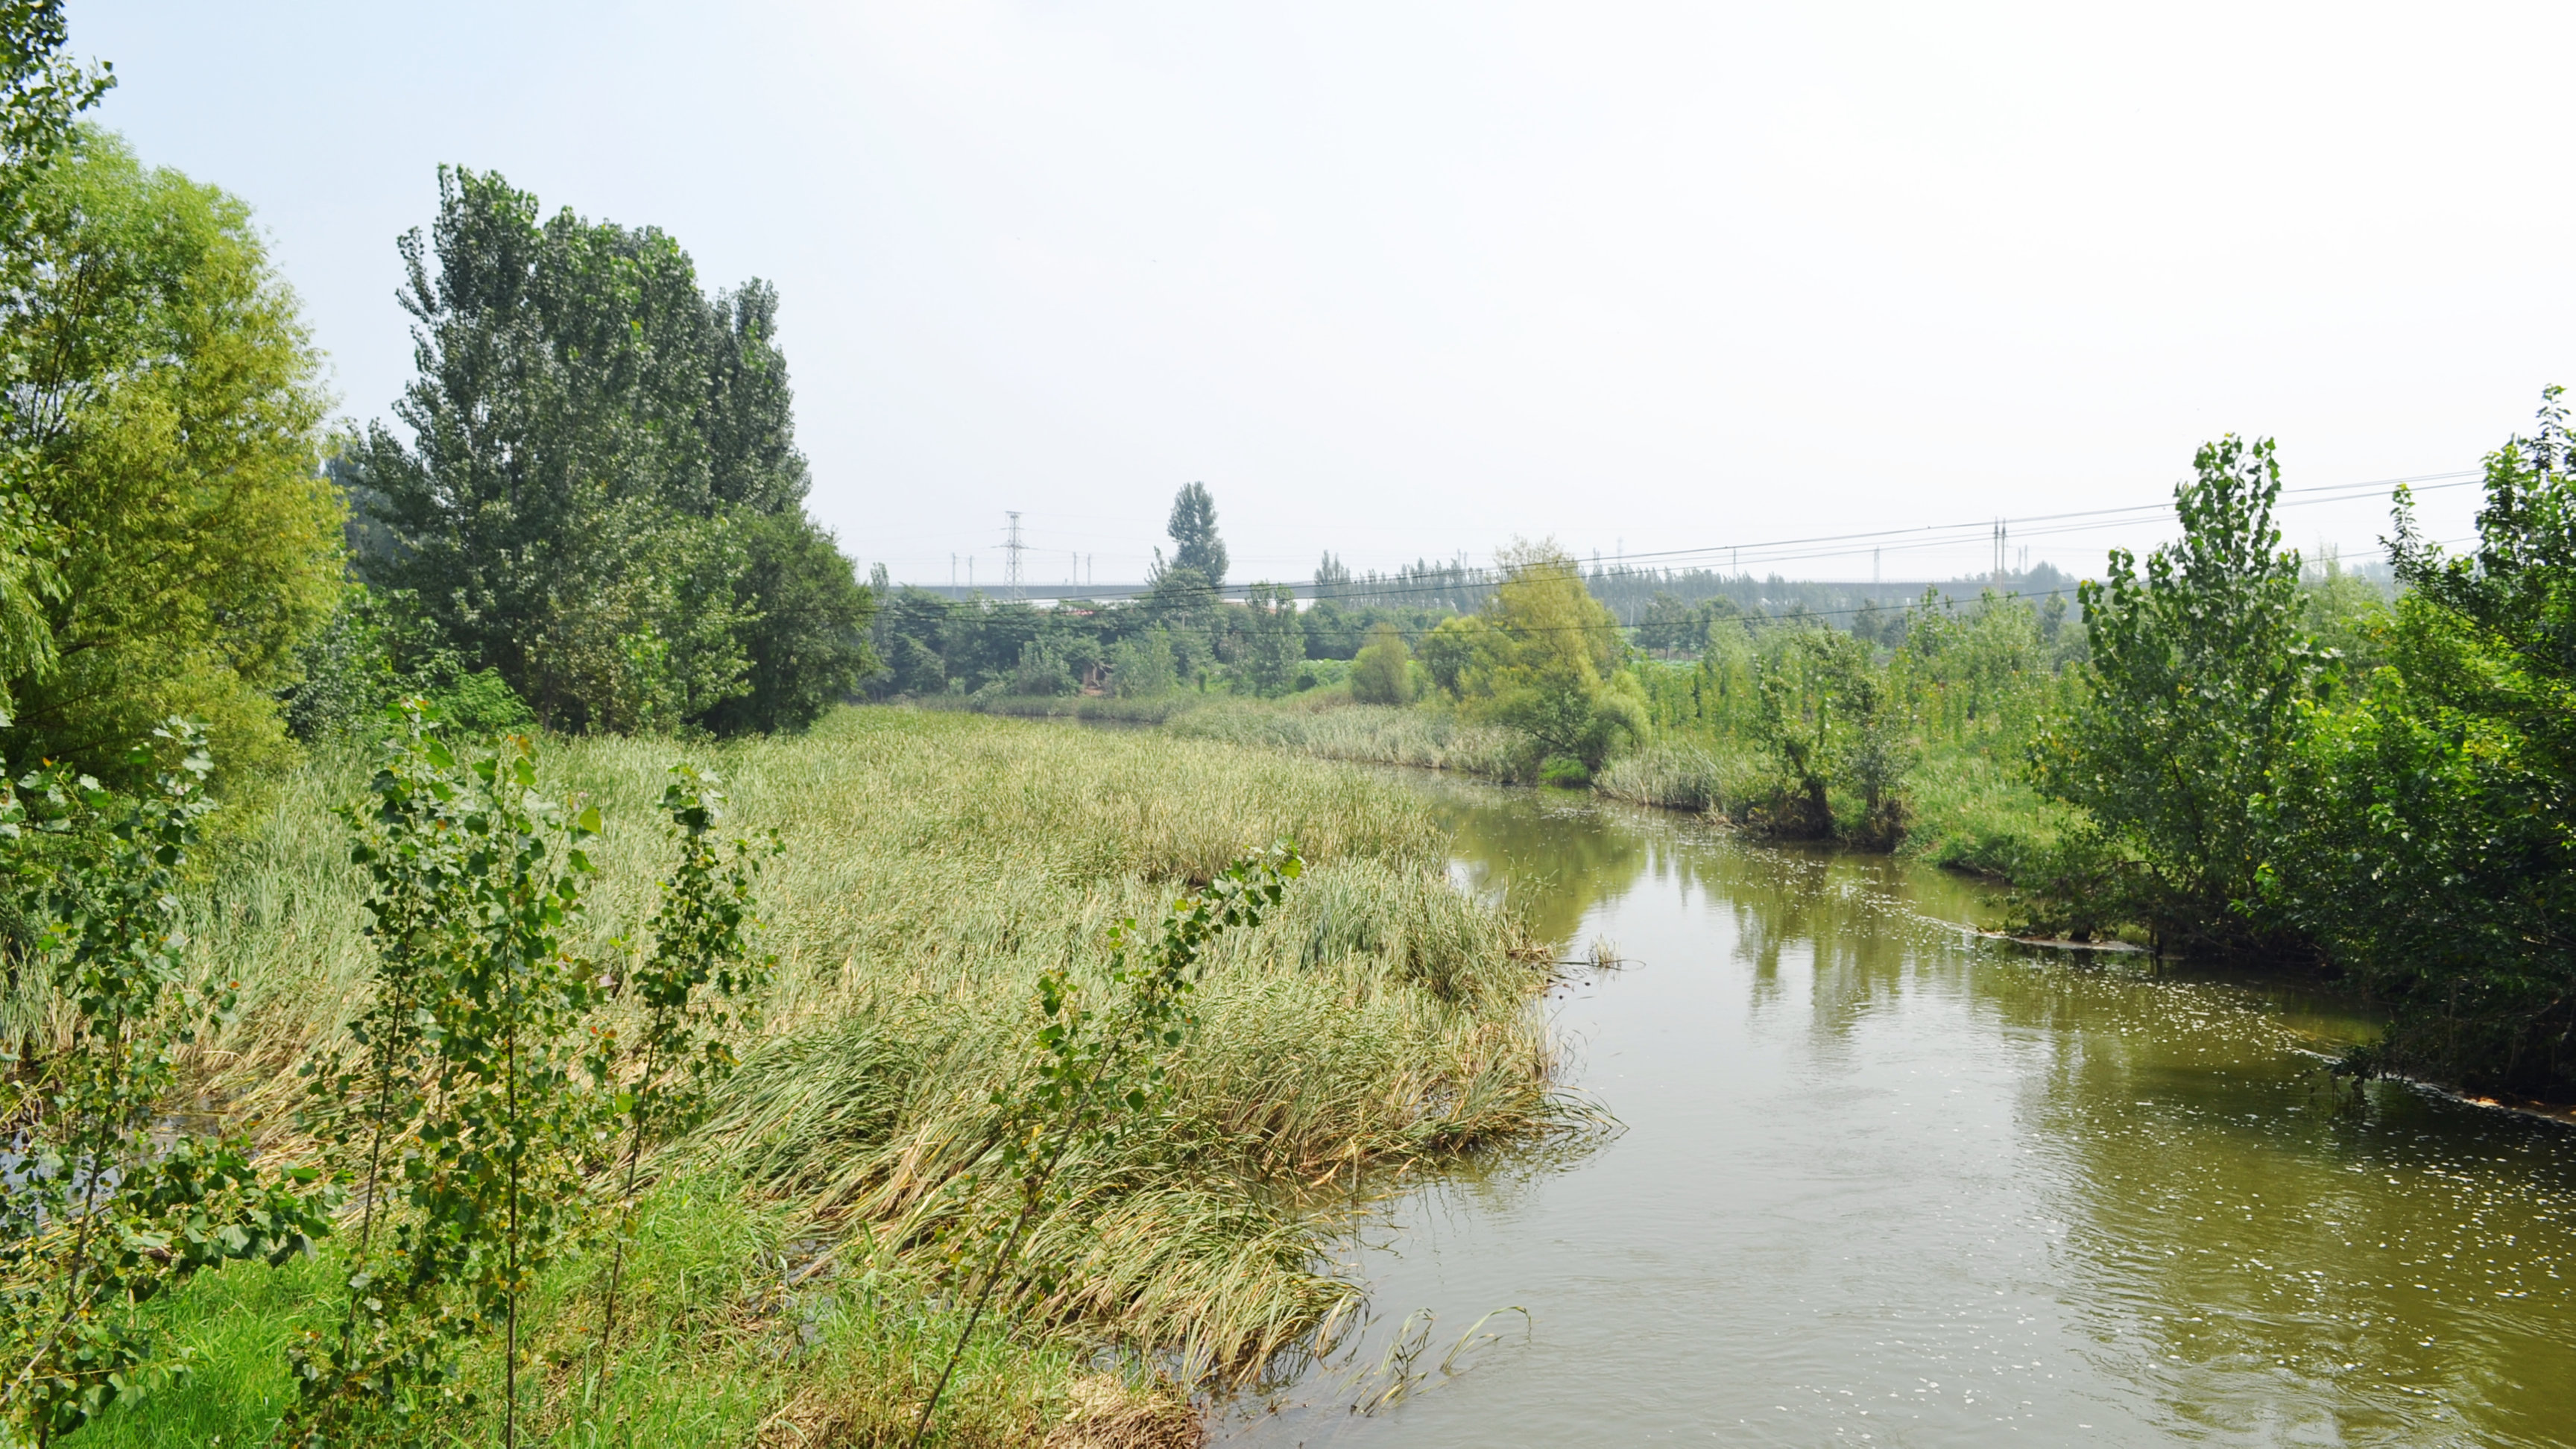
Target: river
x=1880, y=1181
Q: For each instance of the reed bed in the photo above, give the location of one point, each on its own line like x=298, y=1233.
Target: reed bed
x=1682, y=775
x=935, y=864
x=1371, y=734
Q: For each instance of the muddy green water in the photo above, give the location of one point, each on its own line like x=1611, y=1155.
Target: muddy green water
x=1882, y=1182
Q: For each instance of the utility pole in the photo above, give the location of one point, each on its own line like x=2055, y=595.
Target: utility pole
x=1011, y=566
x=1873, y=568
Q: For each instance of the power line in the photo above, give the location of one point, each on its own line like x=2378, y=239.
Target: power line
x=1876, y=541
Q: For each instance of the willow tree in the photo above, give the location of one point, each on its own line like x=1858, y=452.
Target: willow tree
x=1543, y=658
x=165, y=420
x=41, y=92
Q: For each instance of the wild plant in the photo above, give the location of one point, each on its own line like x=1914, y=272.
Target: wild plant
x=697, y=991
x=115, y=1199
x=495, y=1142
x=364, y=1102
x=1103, y=1071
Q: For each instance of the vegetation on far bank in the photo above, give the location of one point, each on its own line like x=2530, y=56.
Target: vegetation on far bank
x=2222, y=749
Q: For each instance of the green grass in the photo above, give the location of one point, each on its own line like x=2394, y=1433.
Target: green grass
x=729, y=1338
x=1719, y=779
x=1101, y=709
x=1369, y=733
x=936, y=863
x=1974, y=812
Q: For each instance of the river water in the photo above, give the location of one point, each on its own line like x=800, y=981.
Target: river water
x=1884, y=1182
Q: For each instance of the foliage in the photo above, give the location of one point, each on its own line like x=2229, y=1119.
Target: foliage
x=1276, y=644
x=1380, y=1018
x=801, y=614
x=167, y=412
x=1104, y=1072
x=376, y=649
x=1195, y=544
x=1383, y=672
x=114, y=1202
x=697, y=993
x=723, y=1349
x=477, y=904
x=41, y=93
x=601, y=497
x=1141, y=667
x=2199, y=670
x=1828, y=713
x=2421, y=833
x=1542, y=659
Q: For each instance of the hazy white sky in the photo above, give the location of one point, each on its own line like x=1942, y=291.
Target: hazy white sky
x=1409, y=279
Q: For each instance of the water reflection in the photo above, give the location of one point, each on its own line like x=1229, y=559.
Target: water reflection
x=1888, y=1182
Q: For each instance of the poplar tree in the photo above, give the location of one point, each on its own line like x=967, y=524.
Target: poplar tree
x=1195, y=544
x=601, y=496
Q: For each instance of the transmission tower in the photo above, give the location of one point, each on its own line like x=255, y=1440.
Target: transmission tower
x=1011, y=570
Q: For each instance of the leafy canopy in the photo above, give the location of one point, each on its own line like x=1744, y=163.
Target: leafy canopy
x=2421, y=834
x=601, y=497
x=167, y=420
x=1195, y=545
x=2199, y=668
x=1543, y=659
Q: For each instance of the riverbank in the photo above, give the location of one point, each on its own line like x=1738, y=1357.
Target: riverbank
x=1966, y=810
x=935, y=864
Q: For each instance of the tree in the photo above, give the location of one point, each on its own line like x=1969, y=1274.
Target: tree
x=2199, y=670
x=1543, y=658
x=1141, y=667
x=1826, y=710
x=41, y=92
x=165, y=424
x=1195, y=544
x=1332, y=577
x=2420, y=834
x=112, y=1198
x=1278, y=642
x=802, y=613
x=1383, y=672
x=1183, y=604
x=601, y=497
x=1669, y=625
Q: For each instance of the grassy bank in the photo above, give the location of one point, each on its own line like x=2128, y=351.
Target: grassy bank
x=1967, y=808
x=936, y=864
x=1368, y=733
x=1098, y=709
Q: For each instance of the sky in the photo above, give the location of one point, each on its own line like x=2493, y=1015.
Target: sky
x=1662, y=281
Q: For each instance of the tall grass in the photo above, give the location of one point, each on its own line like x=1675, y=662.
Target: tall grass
x=1977, y=812
x=1710, y=779
x=936, y=863
x=1370, y=733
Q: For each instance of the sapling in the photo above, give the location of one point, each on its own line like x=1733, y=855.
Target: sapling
x=1103, y=1071
x=365, y=1105
x=696, y=991
x=492, y=1188
x=115, y=1200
